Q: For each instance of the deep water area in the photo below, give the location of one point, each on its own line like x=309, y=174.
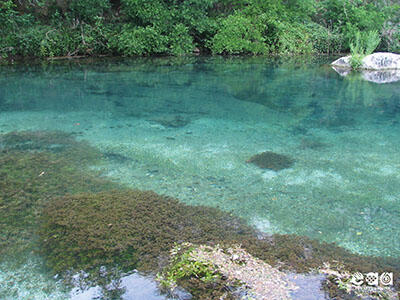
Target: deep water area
x=282, y=146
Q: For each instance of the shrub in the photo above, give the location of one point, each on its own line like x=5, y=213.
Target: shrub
x=179, y=41
x=140, y=41
x=324, y=40
x=290, y=38
x=88, y=10
x=239, y=34
x=349, y=17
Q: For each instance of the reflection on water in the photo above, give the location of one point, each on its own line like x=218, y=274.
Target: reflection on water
x=185, y=127
x=383, y=76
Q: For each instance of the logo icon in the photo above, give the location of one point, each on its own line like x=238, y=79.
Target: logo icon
x=357, y=279
x=386, y=278
x=371, y=278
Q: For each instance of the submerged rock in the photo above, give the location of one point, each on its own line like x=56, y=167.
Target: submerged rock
x=342, y=71
x=384, y=76
x=376, y=61
x=236, y=273
x=271, y=160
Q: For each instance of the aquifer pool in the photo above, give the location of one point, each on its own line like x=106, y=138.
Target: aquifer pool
x=189, y=128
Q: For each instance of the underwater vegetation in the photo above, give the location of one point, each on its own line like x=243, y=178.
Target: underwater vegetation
x=131, y=228
x=271, y=160
x=50, y=202
x=32, y=171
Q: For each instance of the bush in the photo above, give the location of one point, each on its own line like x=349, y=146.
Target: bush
x=175, y=27
x=88, y=10
x=179, y=41
x=349, y=17
x=324, y=40
x=290, y=38
x=391, y=37
x=239, y=34
x=140, y=41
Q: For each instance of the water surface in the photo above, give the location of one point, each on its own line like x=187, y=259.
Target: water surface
x=185, y=127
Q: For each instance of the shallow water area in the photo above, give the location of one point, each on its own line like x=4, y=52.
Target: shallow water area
x=185, y=127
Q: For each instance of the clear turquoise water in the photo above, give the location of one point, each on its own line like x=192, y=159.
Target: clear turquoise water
x=186, y=126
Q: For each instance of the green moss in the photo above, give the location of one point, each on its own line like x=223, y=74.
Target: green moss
x=271, y=160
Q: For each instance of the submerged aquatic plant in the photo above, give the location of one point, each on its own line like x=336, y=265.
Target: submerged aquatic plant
x=84, y=225
x=56, y=142
x=136, y=229
x=271, y=160
x=131, y=228
x=31, y=175
x=184, y=265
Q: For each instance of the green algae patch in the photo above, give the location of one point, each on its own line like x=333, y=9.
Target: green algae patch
x=134, y=229
x=271, y=160
x=131, y=228
x=31, y=174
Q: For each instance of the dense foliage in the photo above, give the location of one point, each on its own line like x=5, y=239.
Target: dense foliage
x=49, y=28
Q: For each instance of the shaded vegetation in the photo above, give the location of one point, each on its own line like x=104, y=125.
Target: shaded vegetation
x=51, y=28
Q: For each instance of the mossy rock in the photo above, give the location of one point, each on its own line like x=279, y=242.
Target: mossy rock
x=271, y=160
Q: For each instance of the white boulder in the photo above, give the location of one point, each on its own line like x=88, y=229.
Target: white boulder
x=376, y=61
